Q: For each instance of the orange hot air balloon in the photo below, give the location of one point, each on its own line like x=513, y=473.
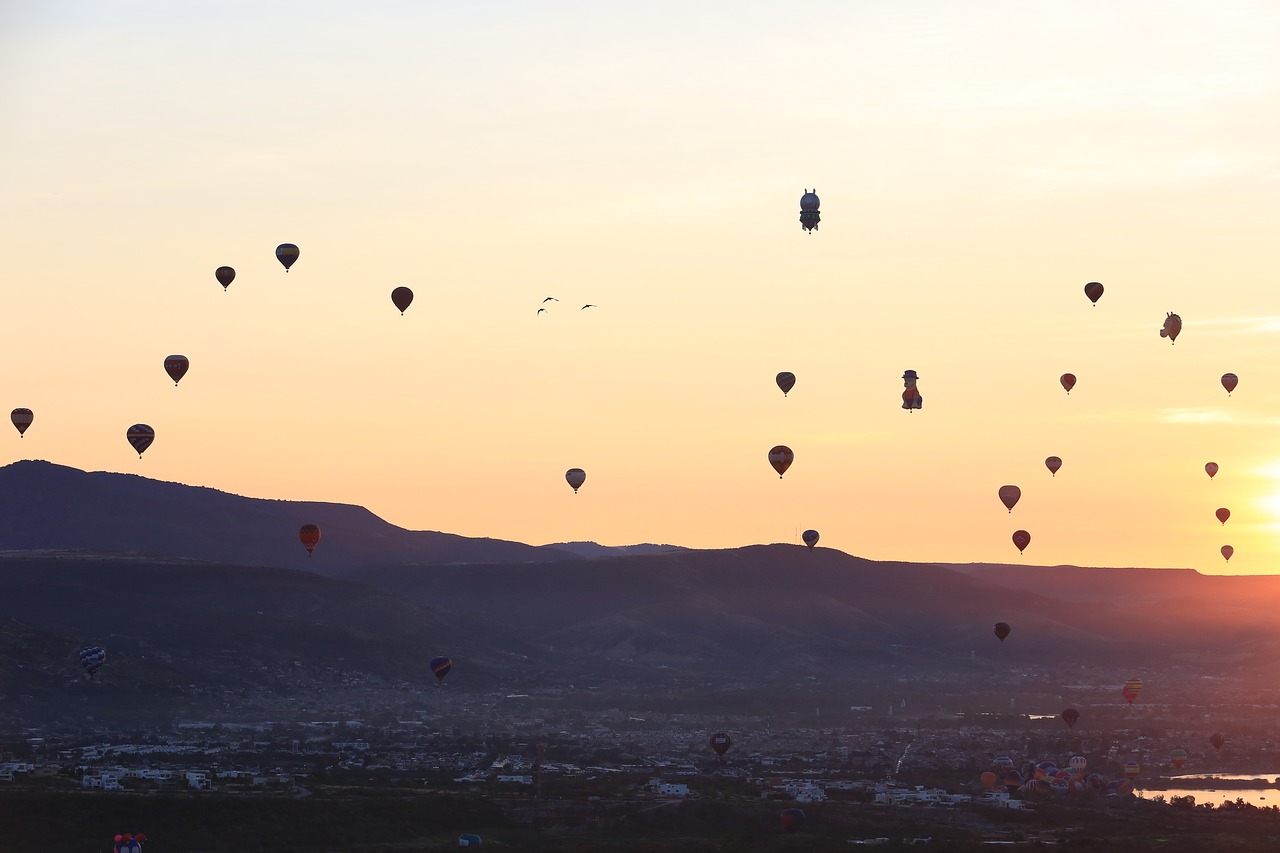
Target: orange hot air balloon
x=402, y=298
x=1070, y=716
x=140, y=436
x=22, y=419
x=286, y=254
x=786, y=381
x=1022, y=539
x=1229, y=381
x=1223, y=514
x=1093, y=290
x=1178, y=757
x=1053, y=463
x=1009, y=496
x=310, y=536
x=1227, y=551
x=1068, y=381
x=176, y=366
x=780, y=458
x=224, y=275
x=988, y=779
x=1131, y=689
x=1211, y=468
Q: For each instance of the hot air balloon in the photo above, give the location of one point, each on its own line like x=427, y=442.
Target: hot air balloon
x=1131, y=689
x=1223, y=514
x=224, y=275
x=780, y=458
x=1053, y=463
x=720, y=742
x=1068, y=381
x=1178, y=757
x=176, y=366
x=1070, y=716
x=809, y=216
x=792, y=819
x=309, y=535
x=1093, y=290
x=1022, y=539
x=1217, y=740
x=1009, y=496
x=1229, y=381
x=1078, y=763
x=402, y=298
x=468, y=839
x=911, y=398
x=786, y=381
x=1012, y=781
x=1227, y=551
x=1132, y=769
x=1002, y=630
x=22, y=419
x=810, y=538
x=988, y=779
x=440, y=667
x=1211, y=468
x=140, y=436
x=91, y=658
x=1172, y=327
x=575, y=477
x=1003, y=764
x=286, y=254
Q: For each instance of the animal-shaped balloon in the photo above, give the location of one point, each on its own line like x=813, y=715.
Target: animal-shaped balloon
x=911, y=398
x=1172, y=327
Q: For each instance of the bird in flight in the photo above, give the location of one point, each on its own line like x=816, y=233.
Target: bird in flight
x=540, y=310
x=585, y=307
x=550, y=299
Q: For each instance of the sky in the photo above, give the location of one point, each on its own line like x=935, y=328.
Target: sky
x=978, y=163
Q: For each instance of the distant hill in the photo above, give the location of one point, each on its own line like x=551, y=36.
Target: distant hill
x=45, y=506
x=592, y=549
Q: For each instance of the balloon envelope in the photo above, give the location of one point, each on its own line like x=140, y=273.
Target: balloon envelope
x=1131, y=689
x=1178, y=757
x=1022, y=539
x=140, y=436
x=309, y=535
x=810, y=538
x=780, y=458
x=1211, y=468
x=786, y=381
x=1132, y=769
x=468, y=839
x=176, y=366
x=92, y=657
x=1002, y=630
x=1227, y=551
x=1068, y=381
x=440, y=666
x=1217, y=740
x=1223, y=514
x=287, y=253
x=1053, y=463
x=402, y=298
x=224, y=275
x=988, y=779
x=1172, y=327
x=1070, y=716
x=1229, y=381
x=792, y=819
x=22, y=419
x=575, y=477
x=720, y=742
x=1009, y=496
x=1093, y=290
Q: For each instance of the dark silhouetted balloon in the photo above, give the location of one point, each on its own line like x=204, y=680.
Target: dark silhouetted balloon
x=402, y=298
x=792, y=819
x=1172, y=327
x=720, y=742
x=1227, y=551
x=1229, y=381
x=22, y=419
x=224, y=275
x=468, y=839
x=1053, y=463
x=1002, y=630
x=576, y=477
x=1223, y=514
x=176, y=366
x=1022, y=539
x=309, y=534
x=1093, y=290
x=809, y=215
x=1217, y=740
x=1009, y=496
x=1068, y=381
x=1211, y=468
x=440, y=667
x=1070, y=716
x=780, y=458
x=140, y=436
x=91, y=658
x=1131, y=689
x=786, y=381
x=287, y=254
x=810, y=538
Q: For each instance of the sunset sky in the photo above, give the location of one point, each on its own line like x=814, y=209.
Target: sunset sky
x=978, y=163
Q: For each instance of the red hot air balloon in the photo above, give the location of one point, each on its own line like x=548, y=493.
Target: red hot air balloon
x=720, y=742
x=1002, y=630
x=1070, y=716
x=176, y=366
x=1053, y=463
x=1022, y=539
x=1223, y=514
x=1217, y=740
x=22, y=419
x=1227, y=551
x=1068, y=381
x=781, y=457
x=1211, y=468
x=1093, y=290
x=140, y=436
x=575, y=477
x=224, y=275
x=1009, y=496
x=1229, y=381
x=310, y=537
x=786, y=381
x=1131, y=689
x=286, y=254
x=810, y=538
x=402, y=298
